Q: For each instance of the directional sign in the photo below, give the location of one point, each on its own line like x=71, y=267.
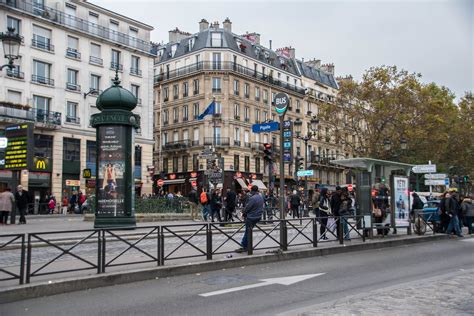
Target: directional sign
x=424, y=169
x=282, y=281
x=305, y=173
x=435, y=182
x=436, y=176
x=265, y=127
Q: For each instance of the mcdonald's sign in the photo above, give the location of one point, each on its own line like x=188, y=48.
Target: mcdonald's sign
x=41, y=164
x=86, y=173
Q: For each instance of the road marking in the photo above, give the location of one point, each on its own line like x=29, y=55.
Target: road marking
x=283, y=281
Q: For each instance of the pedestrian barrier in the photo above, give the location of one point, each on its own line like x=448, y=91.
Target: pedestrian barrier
x=423, y=222
x=15, y=272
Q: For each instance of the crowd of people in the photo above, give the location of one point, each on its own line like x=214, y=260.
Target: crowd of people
x=456, y=211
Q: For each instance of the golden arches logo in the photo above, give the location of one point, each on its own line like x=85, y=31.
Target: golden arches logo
x=40, y=164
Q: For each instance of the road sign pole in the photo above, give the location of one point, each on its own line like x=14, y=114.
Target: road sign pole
x=431, y=188
x=282, y=172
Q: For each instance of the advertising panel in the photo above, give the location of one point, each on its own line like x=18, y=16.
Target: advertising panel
x=19, y=151
x=401, y=198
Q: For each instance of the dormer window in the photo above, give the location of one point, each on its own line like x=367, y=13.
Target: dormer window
x=173, y=49
x=191, y=43
x=216, y=39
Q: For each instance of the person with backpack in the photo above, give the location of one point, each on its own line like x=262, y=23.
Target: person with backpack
x=204, y=200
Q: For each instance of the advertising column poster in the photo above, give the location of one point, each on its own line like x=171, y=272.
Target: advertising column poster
x=401, y=201
x=110, y=180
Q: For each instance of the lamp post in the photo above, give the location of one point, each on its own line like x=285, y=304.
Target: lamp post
x=313, y=125
x=11, y=46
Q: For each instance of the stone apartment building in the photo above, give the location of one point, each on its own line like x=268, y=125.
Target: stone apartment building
x=69, y=55
x=243, y=76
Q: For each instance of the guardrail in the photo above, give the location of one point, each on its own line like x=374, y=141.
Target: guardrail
x=103, y=250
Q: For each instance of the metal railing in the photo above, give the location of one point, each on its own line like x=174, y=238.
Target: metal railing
x=73, y=53
x=14, y=272
x=34, y=115
x=96, y=60
x=42, y=80
x=225, y=67
x=15, y=74
x=220, y=141
x=180, y=144
x=42, y=45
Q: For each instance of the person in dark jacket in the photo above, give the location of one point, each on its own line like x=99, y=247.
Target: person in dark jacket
x=467, y=207
x=216, y=205
x=22, y=199
x=453, y=209
x=325, y=211
x=252, y=213
x=193, y=203
x=230, y=199
x=416, y=205
x=295, y=202
x=336, y=202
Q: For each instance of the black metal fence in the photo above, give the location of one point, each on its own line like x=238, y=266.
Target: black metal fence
x=36, y=255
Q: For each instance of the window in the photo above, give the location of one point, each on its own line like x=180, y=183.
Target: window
x=265, y=96
x=95, y=57
x=133, y=33
x=216, y=85
x=165, y=117
x=298, y=106
x=236, y=111
x=246, y=139
x=72, y=80
x=173, y=49
x=185, y=113
x=165, y=138
x=14, y=96
x=218, y=108
x=165, y=165
x=135, y=69
x=247, y=90
x=247, y=114
x=175, y=91
x=196, y=86
x=185, y=164
x=41, y=73
x=196, y=136
x=236, y=162
x=165, y=94
x=237, y=136
x=236, y=87
x=42, y=38
x=257, y=165
x=115, y=63
x=71, y=149
x=114, y=30
x=71, y=112
x=265, y=116
x=175, y=164
x=42, y=105
x=195, y=162
x=190, y=43
x=135, y=89
x=94, y=19
x=185, y=135
x=175, y=136
x=257, y=94
x=175, y=115
x=216, y=39
x=91, y=156
x=196, y=110
x=247, y=164
x=138, y=162
x=257, y=116
x=95, y=84
x=14, y=23
x=185, y=89
x=72, y=50
x=216, y=60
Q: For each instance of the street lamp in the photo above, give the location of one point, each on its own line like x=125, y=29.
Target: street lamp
x=403, y=143
x=313, y=126
x=11, y=46
x=387, y=144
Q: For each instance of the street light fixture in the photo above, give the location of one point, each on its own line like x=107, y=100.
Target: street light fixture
x=387, y=144
x=403, y=143
x=11, y=46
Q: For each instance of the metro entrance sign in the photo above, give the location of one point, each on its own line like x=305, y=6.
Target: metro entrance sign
x=424, y=169
x=281, y=103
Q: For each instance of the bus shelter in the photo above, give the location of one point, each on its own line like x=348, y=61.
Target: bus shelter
x=373, y=176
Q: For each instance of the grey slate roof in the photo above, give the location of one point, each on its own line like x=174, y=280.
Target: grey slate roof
x=258, y=52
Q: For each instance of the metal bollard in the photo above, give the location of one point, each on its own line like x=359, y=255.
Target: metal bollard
x=250, y=240
x=315, y=232
x=209, y=242
x=340, y=230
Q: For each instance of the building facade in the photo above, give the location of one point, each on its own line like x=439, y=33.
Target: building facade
x=70, y=52
x=242, y=76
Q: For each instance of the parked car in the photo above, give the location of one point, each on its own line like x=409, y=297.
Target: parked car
x=430, y=215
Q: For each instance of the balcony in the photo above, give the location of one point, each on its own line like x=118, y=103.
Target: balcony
x=42, y=45
x=227, y=67
x=195, y=143
x=47, y=117
x=237, y=143
x=15, y=74
x=76, y=23
x=216, y=90
x=177, y=145
x=135, y=71
x=10, y=112
x=42, y=80
x=96, y=60
x=220, y=141
x=247, y=145
x=73, y=87
x=73, y=119
x=73, y=53
x=114, y=66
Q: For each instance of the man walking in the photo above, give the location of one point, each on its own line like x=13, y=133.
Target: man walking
x=252, y=213
x=453, y=208
x=193, y=202
x=22, y=199
x=7, y=202
x=336, y=202
x=230, y=205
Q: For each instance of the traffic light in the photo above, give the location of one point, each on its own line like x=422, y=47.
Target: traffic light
x=299, y=163
x=267, y=152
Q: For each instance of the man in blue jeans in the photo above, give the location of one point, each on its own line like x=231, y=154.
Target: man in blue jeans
x=252, y=213
x=453, y=208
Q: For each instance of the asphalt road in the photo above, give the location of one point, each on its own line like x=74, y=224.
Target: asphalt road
x=426, y=269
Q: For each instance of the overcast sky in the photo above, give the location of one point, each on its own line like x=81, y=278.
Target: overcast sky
x=434, y=38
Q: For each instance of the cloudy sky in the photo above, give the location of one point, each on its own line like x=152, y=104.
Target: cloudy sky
x=434, y=38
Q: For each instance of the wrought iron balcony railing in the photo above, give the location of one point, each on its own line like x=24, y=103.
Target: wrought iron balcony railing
x=42, y=80
x=73, y=119
x=15, y=74
x=73, y=53
x=96, y=60
x=177, y=145
x=31, y=114
x=42, y=45
x=220, y=141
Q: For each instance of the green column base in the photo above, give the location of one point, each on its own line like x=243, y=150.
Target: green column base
x=115, y=222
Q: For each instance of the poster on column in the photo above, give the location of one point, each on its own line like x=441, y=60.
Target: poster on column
x=111, y=168
x=401, y=200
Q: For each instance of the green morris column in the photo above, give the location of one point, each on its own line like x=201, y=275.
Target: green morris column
x=115, y=125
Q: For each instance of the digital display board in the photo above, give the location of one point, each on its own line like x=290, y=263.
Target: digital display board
x=18, y=154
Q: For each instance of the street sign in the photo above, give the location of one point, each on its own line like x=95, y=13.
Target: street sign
x=265, y=127
x=86, y=173
x=160, y=182
x=436, y=176
x=435, y=182
x=3, y=142
x=305, y=173
x=424, y=169
x=73, y=183
x=446, y=181
x=281, y=103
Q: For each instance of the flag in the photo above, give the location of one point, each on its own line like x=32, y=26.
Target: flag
x=210, y=110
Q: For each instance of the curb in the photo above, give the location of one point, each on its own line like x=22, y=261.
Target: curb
x=66, y=285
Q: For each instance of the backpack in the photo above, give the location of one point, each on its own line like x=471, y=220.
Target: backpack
x=203, y=198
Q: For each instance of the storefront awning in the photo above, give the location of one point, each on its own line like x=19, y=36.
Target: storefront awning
x=241, y=183
x=175, y=181
x=259, y=184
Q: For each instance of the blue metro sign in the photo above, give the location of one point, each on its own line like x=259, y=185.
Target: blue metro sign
x=265, y=127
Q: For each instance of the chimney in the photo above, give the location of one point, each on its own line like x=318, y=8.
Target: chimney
x=227, y=25
x=177, y=35
x=203, y=25
x=215, y=25
x=288, y=52
x=270, y=44
x=329, y=68
x=315, y=63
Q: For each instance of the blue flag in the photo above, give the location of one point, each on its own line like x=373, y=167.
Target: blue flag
x=211, y=109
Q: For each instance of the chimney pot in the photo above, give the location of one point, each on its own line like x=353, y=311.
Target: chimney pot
x=203, y=25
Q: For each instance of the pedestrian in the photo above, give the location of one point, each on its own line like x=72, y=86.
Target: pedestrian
x=81, y=198
x=252, y=214
x=230, y=199
x=22, y=199
x=315, y=202
x=193, y=203
x=335, y=206
x=216, y=205
x=7, y=202
x=65, y=204
x=345, y=213
x=453, y=209
x=51, y=205
x=325, y=211
x=467, y=207
x=416, y=205
x=73, y=203
x=295, y=203
x=204, y=199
